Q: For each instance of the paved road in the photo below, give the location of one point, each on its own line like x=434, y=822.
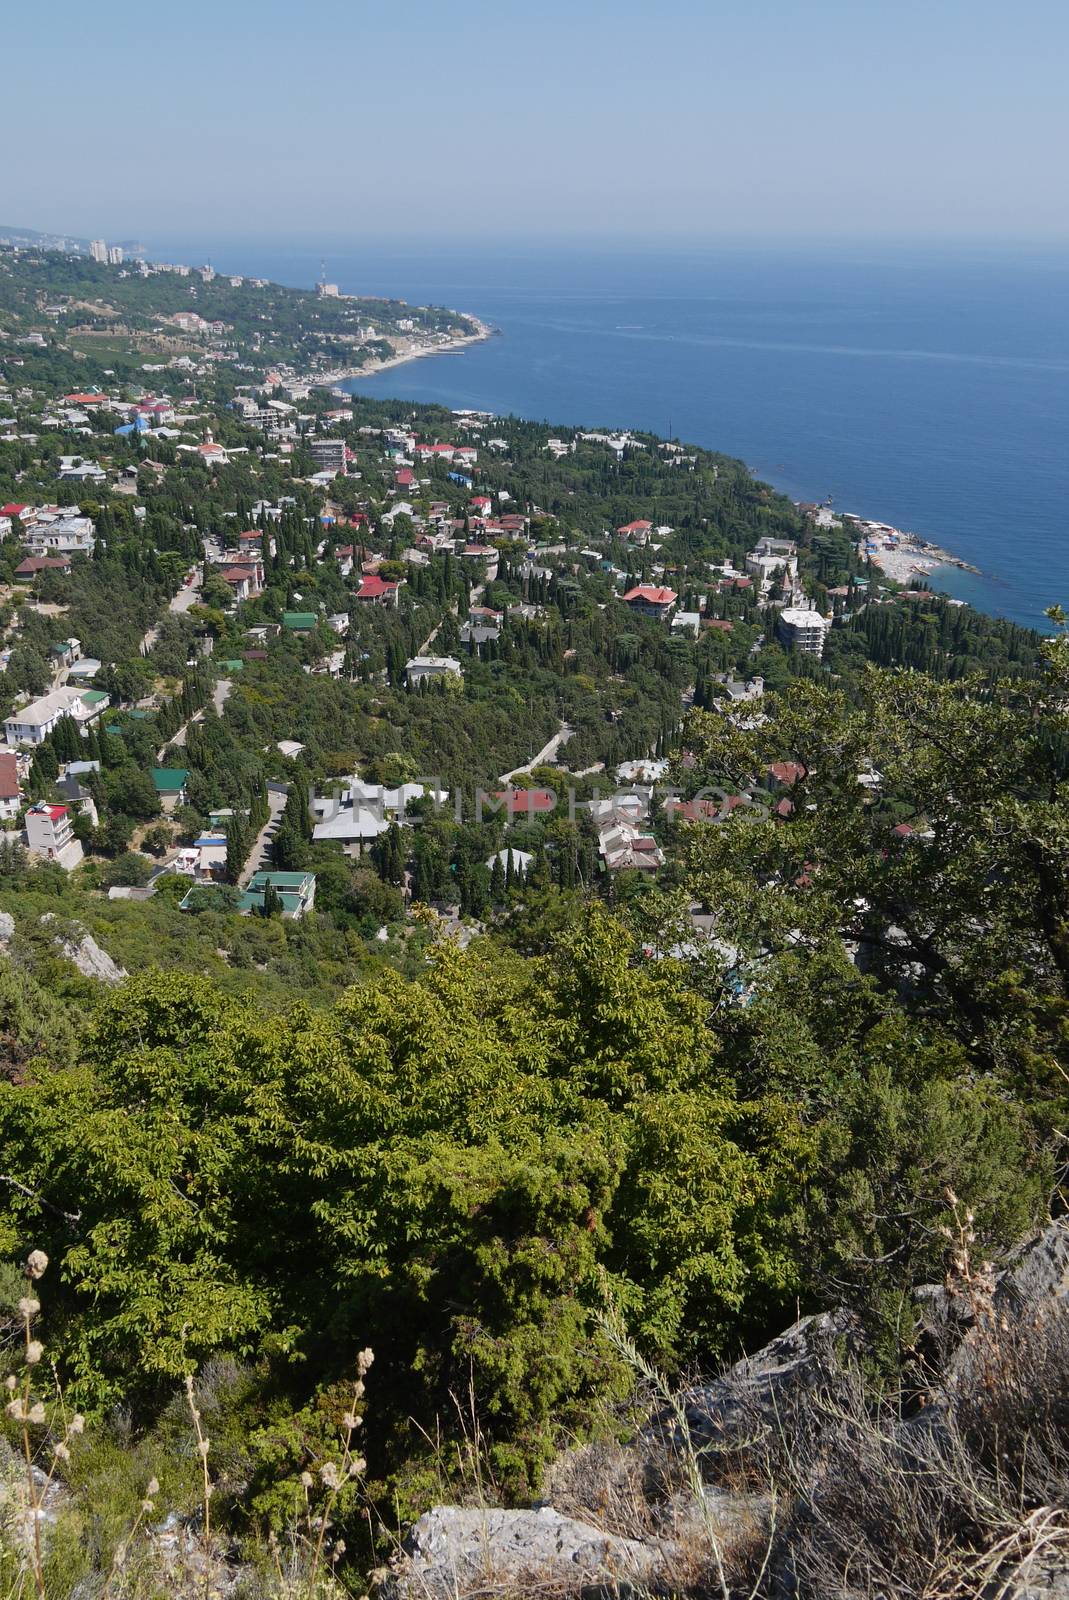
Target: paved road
x=220, y=695
x=547, y=752
x=187, y=595
x=260, y=853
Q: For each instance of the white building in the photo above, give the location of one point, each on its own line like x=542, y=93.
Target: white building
x=49, y=833
x=802, y=630
x=60, y=535
x=771, y=556
x=35, y=722
x=421, y=667
x=98, y=250
x=364, y=812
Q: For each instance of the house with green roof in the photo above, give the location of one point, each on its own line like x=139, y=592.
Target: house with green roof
x=296, y=890
x=170, y=784
x=299, y=621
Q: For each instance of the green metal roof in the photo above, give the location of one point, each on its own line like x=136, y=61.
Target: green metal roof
x=169, y=780
x=93, y=697
x=299, y=619
x=279, y=880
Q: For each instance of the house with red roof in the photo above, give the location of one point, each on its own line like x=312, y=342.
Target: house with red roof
x=245, y=578
x=637, y=532
x=526, y=802
x=404, y=478
x=378, y=591
x=648, y=600
x=50, y=834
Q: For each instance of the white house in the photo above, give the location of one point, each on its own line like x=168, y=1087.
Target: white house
x=49, y=833
x=35, y=722
x=10, y=793
x=421, y=667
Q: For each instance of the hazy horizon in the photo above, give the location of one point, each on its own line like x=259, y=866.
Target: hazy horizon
x=692, y=123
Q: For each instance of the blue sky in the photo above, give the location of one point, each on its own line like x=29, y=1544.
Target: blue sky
x=640, y=120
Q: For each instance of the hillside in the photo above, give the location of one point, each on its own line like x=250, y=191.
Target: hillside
x=531, y=908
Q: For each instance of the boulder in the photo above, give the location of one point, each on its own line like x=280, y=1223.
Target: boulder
x=7, y=929
x=454, y=1551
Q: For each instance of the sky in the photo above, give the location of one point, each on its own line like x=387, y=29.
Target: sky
x=644, y=121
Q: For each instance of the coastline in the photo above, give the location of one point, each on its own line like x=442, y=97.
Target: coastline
x=900, y=555
x=405, y=351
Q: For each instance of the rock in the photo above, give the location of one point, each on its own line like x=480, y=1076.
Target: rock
x=451, y=1552
x=761, y=1390
x=82, y=949
x=7, y=929
x=1038, y=1270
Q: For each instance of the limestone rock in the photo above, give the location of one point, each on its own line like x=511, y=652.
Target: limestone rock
x=452, y=1552
x=760, y=1390
x=82, y=949
x=7, y=929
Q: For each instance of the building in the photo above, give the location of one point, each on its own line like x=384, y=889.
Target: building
x=649, y=601
x=299, y=621
x=637, y=532
x=328, y=455
x=802, y=630
x=10, y=792
x=33, y=566
x=98, y=250
x=771, y=556
x=419, y=668
x=55, y=532
x=365, y=811
x=296, y=890
x=244, y=579
x=50, y=834
x=115, y=255
x=35, y=722
x=170, y=784
x=379, y=591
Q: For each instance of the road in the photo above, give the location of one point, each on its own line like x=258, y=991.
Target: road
x=547, y=752
x=187, y=596
x=261, y=850
x=220, y=695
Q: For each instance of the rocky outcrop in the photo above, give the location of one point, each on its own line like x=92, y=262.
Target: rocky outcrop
x=80, y=948
x=764, y=1389
x=453, y=1551
x=857, y=1491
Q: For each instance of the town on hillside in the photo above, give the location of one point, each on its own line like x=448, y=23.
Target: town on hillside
x=274, y=651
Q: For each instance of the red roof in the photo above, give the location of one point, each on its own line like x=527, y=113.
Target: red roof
x=9, y=776
x=373, y=587
x=35, y=564
x=787, y=772
x=652, y=596
x=85, y=399
x=633, y=527
x=55, y=812
x=524, y=801
x=12, y=510
x=238, y=574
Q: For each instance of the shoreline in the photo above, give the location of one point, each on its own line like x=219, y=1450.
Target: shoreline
x=406, y=352
x=899, y=554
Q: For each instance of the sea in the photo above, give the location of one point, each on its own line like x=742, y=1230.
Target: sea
x=927, y=389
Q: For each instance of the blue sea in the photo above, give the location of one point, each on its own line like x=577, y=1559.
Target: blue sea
x=927, y=390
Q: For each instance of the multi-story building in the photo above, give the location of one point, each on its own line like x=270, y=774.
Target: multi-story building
x=802, y=630
x=33, y=723
x=98, y=250
x=115, y=255
x=50, y=833
x=328, y=454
